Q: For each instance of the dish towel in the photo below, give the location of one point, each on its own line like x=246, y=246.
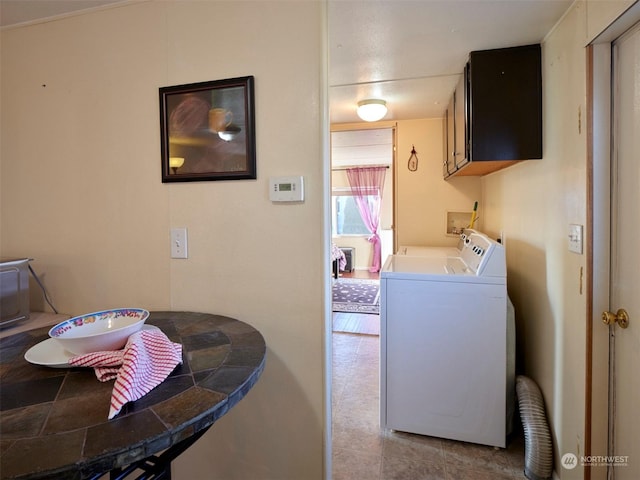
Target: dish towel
x=145, y=362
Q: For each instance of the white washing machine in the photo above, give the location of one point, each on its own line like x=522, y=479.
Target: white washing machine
x=447, y=362
x=427, y=251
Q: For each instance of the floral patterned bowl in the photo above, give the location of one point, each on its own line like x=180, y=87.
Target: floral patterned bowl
x=99, y=331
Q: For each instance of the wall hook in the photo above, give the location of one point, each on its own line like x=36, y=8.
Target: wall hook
x=412, y=165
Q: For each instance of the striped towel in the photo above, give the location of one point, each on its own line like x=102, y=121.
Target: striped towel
x=145, y=362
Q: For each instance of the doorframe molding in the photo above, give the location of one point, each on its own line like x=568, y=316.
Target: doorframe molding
x=598, y=226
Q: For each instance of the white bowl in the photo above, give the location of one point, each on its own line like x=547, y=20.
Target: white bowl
x=98, y=331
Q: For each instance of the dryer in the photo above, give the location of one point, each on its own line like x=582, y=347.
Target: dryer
x=445, y=363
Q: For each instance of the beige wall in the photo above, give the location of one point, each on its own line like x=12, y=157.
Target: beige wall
x=424, y=197
x=81, y=193
x=533, y=203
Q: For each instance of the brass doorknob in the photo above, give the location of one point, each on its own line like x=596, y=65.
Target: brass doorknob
x=621, y=317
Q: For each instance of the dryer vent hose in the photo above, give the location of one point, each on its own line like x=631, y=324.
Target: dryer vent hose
x=538, y=452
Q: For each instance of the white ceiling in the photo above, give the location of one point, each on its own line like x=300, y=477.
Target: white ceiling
x=407, y=52
x=411, y=52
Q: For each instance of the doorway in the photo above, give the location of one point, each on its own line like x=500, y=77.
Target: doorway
x=362, y=198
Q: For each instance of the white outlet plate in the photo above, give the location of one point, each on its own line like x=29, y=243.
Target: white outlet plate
x=179, y=243
x=575, y=238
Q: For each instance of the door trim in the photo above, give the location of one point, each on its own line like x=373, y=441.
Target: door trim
x=598, y=223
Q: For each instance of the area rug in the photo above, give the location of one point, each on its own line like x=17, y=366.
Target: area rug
x=355, y=295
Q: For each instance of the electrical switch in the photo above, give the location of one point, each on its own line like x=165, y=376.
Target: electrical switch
x=575, y=238
x=179, y=243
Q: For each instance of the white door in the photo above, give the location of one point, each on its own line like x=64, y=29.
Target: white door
x=624, y=400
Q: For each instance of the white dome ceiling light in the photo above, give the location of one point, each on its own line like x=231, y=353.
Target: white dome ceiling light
x=372, y=110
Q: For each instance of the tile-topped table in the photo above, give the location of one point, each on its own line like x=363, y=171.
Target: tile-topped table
x=53, y=421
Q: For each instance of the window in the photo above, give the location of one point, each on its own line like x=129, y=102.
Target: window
x=346, y=219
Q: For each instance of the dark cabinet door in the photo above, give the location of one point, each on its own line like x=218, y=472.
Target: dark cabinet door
x=460, y=106
x=505, y=109
x=445, y=145
x=450, y=164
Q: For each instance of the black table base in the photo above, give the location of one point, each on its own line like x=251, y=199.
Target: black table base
x=155, y=467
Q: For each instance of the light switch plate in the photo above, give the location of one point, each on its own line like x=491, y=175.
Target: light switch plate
x=179, y=243
x=575, y=238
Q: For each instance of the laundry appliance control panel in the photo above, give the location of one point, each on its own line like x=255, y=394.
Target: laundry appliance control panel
x=484, y=256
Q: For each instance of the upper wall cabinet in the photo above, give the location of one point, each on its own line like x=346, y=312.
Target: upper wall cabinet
x=495, y=117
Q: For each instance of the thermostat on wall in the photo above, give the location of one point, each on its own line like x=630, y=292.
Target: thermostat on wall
x=286, y=189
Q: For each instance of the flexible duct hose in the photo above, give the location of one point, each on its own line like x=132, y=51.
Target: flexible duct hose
x=538, y=452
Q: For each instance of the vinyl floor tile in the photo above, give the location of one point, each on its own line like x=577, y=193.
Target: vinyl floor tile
x=363, y=451
x=349, y=465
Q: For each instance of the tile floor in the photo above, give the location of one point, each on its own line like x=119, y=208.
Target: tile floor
x=361, y=451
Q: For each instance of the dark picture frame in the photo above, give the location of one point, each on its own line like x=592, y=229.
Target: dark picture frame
x=207, y=131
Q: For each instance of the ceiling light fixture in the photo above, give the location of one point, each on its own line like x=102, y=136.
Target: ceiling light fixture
x=372, y=110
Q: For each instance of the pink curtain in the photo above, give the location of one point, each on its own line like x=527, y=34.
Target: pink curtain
x=367, y=184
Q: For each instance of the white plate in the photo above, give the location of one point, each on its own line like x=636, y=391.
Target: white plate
x=50, y=353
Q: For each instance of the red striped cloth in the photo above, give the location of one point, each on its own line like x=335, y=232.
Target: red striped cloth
x=145, y=362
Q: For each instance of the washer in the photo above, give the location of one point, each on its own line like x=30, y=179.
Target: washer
x=427, y=251
x=446, y=363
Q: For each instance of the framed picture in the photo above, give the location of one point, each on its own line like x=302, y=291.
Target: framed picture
x=207, y=131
